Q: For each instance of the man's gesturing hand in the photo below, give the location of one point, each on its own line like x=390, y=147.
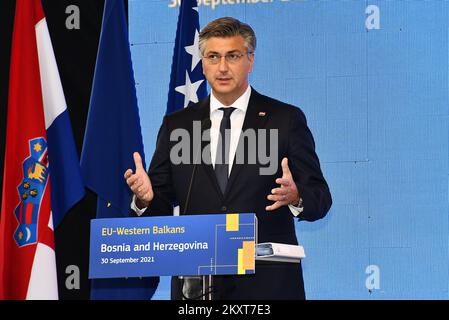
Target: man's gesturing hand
x=139, y=182
x=287, y=193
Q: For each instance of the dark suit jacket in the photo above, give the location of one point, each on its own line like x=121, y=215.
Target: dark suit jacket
x=246, y=191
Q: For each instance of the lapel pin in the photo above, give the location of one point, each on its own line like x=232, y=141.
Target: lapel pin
x=262, y=114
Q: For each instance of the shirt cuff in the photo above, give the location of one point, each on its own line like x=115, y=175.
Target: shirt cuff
x=296, y=211
x=138, y=211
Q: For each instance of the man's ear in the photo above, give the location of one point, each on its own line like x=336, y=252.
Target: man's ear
x=251, y=59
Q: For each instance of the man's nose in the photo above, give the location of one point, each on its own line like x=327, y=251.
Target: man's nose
x=223, y=64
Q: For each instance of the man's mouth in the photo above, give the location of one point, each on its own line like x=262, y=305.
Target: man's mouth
x=223, y=80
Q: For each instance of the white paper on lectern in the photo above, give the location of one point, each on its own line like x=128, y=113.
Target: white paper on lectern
x=271, y=251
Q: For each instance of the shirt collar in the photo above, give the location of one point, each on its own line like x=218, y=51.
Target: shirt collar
x=241, y=103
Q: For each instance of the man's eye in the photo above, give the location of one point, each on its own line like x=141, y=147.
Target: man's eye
x=233, y=56
x=213, y=57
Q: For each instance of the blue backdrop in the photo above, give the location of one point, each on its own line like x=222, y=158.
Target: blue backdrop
x=372, y=79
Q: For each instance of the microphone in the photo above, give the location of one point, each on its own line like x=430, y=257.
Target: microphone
x=205, y=125
x=205, y=281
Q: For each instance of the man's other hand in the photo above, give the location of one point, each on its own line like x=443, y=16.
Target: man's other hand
x=287, y=193
x=139, y=183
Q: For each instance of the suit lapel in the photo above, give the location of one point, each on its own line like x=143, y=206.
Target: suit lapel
x=255, y=118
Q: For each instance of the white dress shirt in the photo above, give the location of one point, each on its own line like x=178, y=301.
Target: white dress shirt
x=237, y=119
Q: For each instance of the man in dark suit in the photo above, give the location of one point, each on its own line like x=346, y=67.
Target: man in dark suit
x=222, y=182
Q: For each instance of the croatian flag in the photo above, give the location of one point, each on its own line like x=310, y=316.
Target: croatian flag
x=42, y=178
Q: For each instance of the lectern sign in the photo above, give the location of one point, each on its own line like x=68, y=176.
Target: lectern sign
x=173, y=245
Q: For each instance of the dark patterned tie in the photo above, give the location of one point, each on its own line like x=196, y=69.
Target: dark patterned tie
x=222, y=158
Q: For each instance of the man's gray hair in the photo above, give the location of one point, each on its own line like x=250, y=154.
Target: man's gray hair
x=228, y=27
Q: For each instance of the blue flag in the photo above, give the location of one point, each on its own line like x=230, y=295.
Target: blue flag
x=113, y=133
x=187, y=82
